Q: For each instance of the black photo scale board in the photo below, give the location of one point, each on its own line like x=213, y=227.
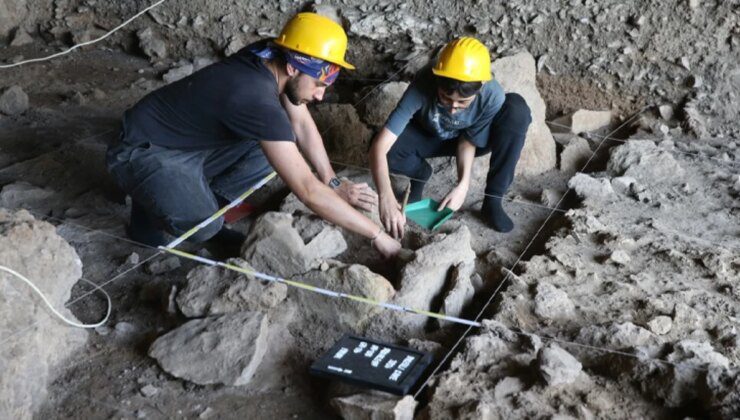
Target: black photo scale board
x=373, y=364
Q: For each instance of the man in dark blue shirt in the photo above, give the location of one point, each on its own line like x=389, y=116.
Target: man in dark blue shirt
x=451, y=109
x=214, y=134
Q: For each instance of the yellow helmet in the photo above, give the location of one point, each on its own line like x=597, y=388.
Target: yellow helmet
x=317, y=36
x=465, y=59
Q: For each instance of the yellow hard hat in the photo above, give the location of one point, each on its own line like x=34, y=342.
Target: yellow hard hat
x=317, y=36
x=465, y=59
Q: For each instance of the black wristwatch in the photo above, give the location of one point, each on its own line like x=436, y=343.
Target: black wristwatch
x=334, y=183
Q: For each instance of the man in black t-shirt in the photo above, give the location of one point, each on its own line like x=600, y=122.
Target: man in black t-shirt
x=212, y=135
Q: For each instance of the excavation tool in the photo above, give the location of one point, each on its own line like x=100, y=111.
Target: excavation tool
x=425, y=214
x=373, y=364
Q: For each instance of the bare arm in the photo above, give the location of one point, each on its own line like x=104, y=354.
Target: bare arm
x=293, y=169
x=391, y=215
x=465, y=158
x=312, y=146
x=309, y=139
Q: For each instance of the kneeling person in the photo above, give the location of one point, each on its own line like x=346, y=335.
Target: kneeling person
x=217, y=132
x=451, y=108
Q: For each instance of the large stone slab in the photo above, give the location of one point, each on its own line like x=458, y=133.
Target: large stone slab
x=517, y=73
x=276, y=247
x=28, y=357
x=225, y=349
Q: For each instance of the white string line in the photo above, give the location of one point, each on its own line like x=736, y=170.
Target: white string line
x=693, y=154
x=64, y=319
x=82, y=44
x=513, y=266
x=477, y=324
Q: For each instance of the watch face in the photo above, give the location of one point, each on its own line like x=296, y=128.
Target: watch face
x=334, y=183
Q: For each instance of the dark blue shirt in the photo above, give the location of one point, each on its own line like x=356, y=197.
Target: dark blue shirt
x=420, y=104
x=230, y=101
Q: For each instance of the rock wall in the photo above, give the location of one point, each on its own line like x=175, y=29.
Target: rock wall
x=28, y=357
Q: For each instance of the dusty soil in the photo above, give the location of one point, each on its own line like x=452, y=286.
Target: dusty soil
x=597, y=62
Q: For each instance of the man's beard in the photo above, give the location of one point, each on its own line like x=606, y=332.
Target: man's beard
x=291, y=91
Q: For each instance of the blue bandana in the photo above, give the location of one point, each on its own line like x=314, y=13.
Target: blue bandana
x=315, y=67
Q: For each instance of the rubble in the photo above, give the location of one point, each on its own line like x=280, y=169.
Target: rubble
x=557, y=366
x=152, y=44
x=13, y=101
x=574, y=156
x=375, y=406
x=177, y=73
x=583, y=121
x=21, y=38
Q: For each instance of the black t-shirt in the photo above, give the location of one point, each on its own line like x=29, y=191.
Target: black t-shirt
x=230, y=101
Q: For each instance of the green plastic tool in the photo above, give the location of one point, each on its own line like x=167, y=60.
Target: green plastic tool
x=425, y=213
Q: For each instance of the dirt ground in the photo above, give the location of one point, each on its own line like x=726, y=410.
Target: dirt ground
x=52, y=158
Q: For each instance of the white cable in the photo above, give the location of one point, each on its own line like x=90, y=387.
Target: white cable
x=82, y=44
x=60, y=316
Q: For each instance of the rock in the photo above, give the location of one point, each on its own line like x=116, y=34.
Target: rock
x=686, y=317
x=620, y=257
x=163, y=265
x=346, y=137
x=202, y=62
x=428, y=346
x=574, y=156
x=21, y=38
x=217, y=291
x=517, y=74
x=236, y=43
x=375, y=406
x=591, y=189
x=275, y=246
x=30, y=357
x=22, y=194
x=719, y=391
x=584, y=121
x=149, y=390
x=507, y=386
x=343, y=314
x=679, y=383
x=423, y=278
x=13, y=101
x=152, y=44
x=557, y=366
x=551, y=303
x=12, y=14
x=666, y=112
x=225, y=349
x=382, y=102
x=615, y=335
x=132, y=259
x=645, y=162
x=460, y=294
x=623, y=184
x=207, y=413
x=550, y=197
x=329, y=11
x=178, y=73
x=660, y=324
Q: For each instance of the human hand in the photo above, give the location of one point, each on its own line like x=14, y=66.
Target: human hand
x=357, y=195
x=391, y=216
x=386, y=245
x=454, y=199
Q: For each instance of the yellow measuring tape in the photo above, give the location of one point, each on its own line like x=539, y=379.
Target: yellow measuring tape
x=320, y=290
x=301, y=285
